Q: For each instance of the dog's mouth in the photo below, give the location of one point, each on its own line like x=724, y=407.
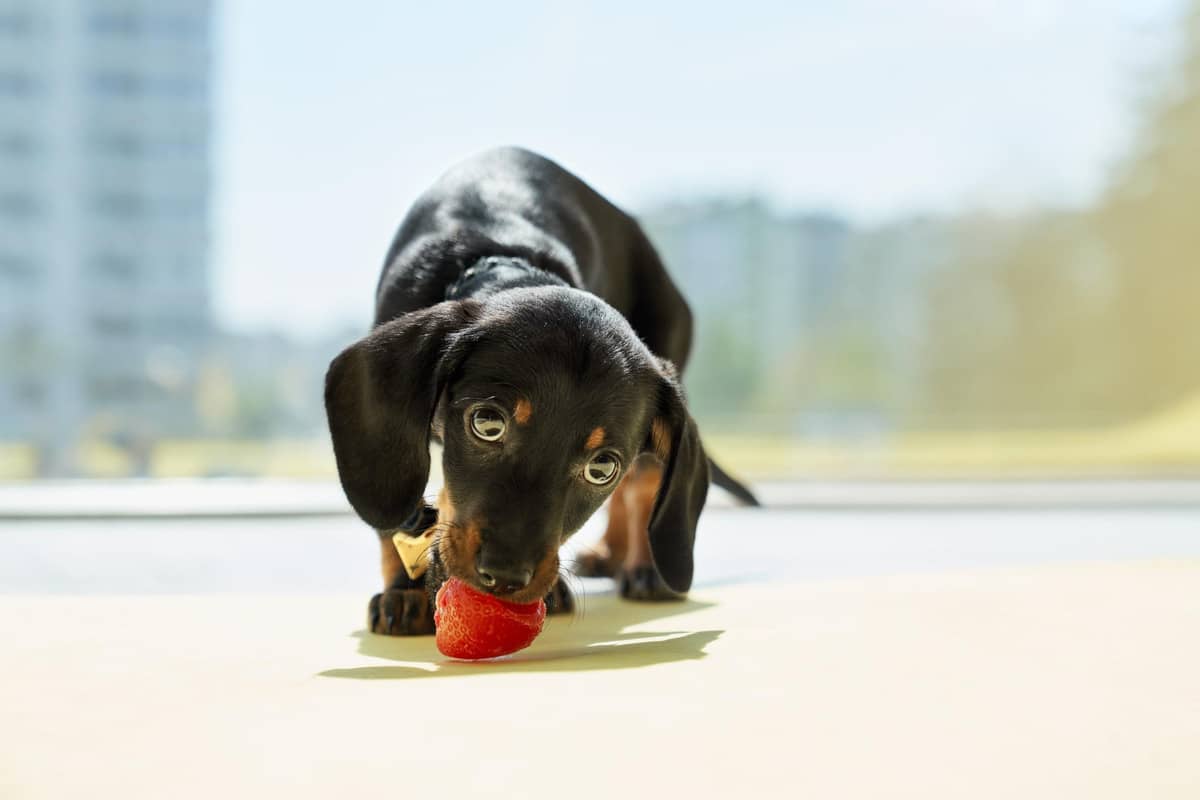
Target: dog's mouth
x=458, y=545
x=458, y=549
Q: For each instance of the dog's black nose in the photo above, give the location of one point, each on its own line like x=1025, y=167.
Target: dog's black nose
x=502, y=578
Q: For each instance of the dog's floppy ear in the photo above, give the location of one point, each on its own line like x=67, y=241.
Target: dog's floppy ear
x=676, y=441
x=380, y=395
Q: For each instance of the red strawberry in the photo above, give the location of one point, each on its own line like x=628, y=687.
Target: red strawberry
x=473, y=625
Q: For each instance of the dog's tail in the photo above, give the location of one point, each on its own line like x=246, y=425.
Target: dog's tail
x=730, y=484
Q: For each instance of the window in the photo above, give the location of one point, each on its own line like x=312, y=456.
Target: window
x=135, y=144
x=114, y=325
x=131, y=24
x=117, y=143
x=17, y=270
x=119, y=205
x=17, y=144
x=30, y=393
x=115, y=267
x=19, y=205
x=896, y=242
x=115, y=389
x=16, y=24
x=118, y=84
x=16, y=84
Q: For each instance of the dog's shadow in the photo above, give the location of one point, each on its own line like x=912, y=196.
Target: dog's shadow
x=595, y=637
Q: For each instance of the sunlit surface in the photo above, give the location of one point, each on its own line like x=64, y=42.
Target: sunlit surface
x=1049, y=682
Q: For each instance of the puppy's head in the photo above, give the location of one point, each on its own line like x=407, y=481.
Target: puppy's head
x=543, y=398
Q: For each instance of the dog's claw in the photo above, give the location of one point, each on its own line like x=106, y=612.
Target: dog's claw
x=401, y=612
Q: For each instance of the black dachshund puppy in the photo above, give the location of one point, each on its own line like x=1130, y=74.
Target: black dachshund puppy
x=528, y=325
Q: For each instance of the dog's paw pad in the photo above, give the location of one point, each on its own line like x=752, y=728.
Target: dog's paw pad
x=400, y=612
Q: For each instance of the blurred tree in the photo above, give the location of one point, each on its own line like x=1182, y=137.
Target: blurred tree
x=258, y=410
x=1149, y=219
x=724, y=372
x=1083, y=318
x=1020, y=329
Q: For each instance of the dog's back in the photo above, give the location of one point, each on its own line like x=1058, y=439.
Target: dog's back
x=513, y=202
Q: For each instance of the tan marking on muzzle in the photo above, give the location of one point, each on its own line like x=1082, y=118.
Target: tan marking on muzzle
x=445, y=506
x=544, y=576
x=459, y=542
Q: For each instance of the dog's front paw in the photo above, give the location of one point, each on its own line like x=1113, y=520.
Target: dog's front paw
x=559, y=599
x=400, y=612
x=644, y=583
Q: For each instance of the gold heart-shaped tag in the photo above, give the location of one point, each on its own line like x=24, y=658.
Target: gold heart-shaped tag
x=414, y=551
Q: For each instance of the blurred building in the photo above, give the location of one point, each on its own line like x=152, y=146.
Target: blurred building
x=890, y=269
x=776, y=273
x=267, y=385
x=104, y=219
x=762, y=286
x=805, y=323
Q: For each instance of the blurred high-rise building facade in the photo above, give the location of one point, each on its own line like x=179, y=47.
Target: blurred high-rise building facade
x=105, y=291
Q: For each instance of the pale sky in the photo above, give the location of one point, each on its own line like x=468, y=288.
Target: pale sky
x=332, y=118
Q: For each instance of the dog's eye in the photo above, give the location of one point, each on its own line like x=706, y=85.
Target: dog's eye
x=602, y=469
x=488, y=424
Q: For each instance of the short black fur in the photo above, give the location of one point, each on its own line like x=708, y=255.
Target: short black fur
x=511, y=281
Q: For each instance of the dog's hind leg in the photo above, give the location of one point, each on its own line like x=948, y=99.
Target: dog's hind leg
x=638, y=578
x=624, y=551
x=604, y=559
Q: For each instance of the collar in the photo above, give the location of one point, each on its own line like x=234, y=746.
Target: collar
x=492, y=269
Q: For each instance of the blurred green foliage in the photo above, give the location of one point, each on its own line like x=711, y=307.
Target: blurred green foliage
x=1051, y=318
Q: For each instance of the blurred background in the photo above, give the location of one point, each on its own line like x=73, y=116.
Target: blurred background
x=948, y=239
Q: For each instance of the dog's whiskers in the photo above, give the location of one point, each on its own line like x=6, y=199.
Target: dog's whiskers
x=576, y=589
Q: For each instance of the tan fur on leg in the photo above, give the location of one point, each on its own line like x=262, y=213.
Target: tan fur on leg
x=643, y=482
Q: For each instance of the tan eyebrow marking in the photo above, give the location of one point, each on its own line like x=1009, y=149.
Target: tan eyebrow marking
x=523, y=411
x=595, y=438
